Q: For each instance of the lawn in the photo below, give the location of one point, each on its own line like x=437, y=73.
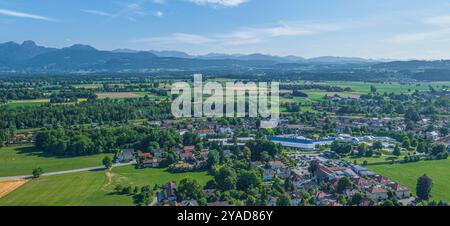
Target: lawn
x=92, y=188
x=386, y=157
x=407, y=174
x=22, y=159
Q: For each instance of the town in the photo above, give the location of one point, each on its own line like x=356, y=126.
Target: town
x=328, y=150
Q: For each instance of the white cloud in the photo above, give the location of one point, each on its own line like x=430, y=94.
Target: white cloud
x=439, y=21
x=245, y=36
x=96, y=12
x=226, y=3
x=409, y=38
x=180, y=38
x=12, y=13
x=159, y=14
x=435, y=28
x=159, y=1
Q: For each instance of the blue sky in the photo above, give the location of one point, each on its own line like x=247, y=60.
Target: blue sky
x=400, y=29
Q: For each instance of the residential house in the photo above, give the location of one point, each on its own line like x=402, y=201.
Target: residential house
x=321, y=198
x=189, y=148
x=268, y=174
x=377, y=193
x=272, y=201
x=168, y=194
x=209, y=192
x=189, y=203
x=275, y=165
x=401, y=191
x=127, y=155
x=221, y=204
x=187, y=156
x=152, y=163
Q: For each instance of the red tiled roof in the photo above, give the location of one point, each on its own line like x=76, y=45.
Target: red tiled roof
x=398, y=187
x=376, y=190
x=183, y=165
x=188, y=148
x=275, y=163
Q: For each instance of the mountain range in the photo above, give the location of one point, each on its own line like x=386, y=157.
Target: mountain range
x=29, y=57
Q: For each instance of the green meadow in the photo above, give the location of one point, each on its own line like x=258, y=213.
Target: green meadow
x=407, y=174
x=92, y=188
x=22, y=159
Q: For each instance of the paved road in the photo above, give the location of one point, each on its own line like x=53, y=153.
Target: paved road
x=67, y=171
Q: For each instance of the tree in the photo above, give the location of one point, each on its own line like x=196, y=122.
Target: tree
x=248, y=180
x=362, y=149
x=342, y=148
x=412, y=114
x=406, y=144
x=107, y=162
x=377, y=145
x=189, y=189
x=373, y=89
x=37, y=172
x=226, y=178
x=387, y=203
x=343, y=184
x=213, y=158
x=423, y=188
x=283, y=200
x=397, y=151
x=313, y=166
x=356, y=199
x=247, y=154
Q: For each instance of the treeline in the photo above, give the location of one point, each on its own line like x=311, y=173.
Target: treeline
x=20, y=94
x=64, y=142
x=316, y=86
x=99, y=111
x=67, y=96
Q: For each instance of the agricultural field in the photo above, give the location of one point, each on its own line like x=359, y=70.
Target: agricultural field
x=89, y=86
x=22, y=159
x=27, y=103
x=7, y=186
x=407, y=174
x=118, y=95
x=92, y=188
x=393, y=87
x=319, y=94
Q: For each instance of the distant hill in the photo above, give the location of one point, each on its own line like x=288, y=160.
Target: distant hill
x=12, y=53
x=31, y=58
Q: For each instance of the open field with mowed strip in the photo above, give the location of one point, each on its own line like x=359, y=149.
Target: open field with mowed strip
x=407, y=174
x=22, y=159
x=7, y=186
x=93, y=188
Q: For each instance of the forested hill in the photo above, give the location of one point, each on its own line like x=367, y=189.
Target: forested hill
x=29, y=58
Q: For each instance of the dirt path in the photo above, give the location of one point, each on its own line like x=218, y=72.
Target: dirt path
x=109, y=174
x=7, y=186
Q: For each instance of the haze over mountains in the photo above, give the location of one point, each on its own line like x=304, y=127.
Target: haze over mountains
x=28, y=57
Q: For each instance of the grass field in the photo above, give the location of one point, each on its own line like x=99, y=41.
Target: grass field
x=21, y=160
x=91, y=188
x=386, y=157
x=407, y=174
